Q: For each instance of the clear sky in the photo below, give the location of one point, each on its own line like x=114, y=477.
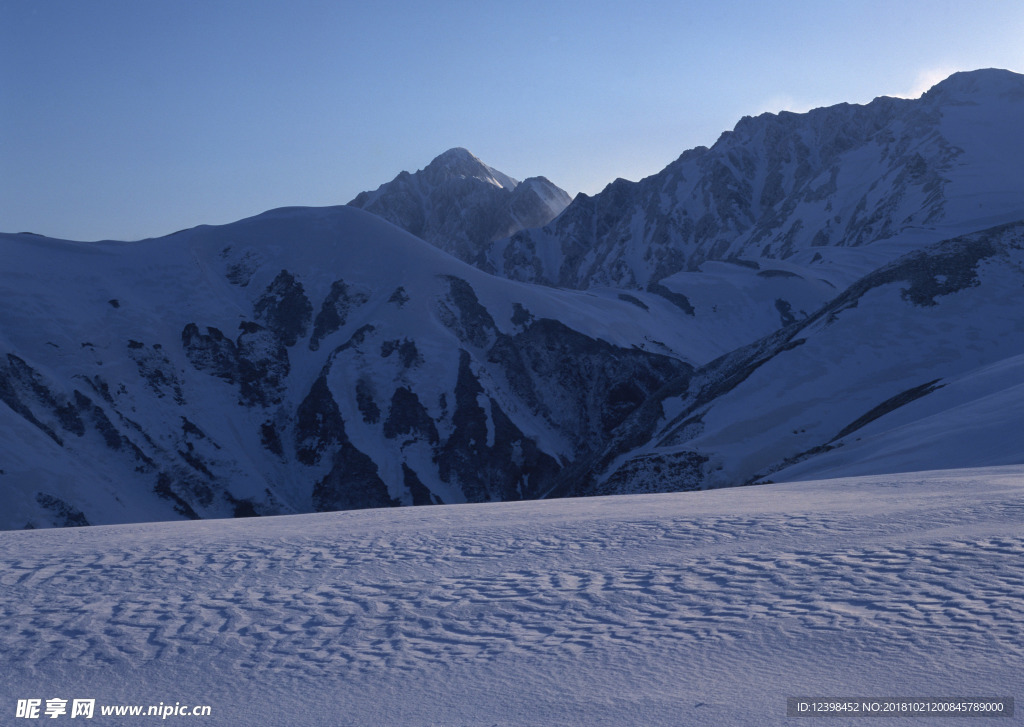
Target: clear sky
x=126, y=119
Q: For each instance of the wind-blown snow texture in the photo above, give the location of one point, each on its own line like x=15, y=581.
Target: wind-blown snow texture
x=705, y=608
x=827, y=293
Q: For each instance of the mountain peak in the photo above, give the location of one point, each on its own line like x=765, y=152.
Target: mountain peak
x=460, y=162
x=968, y=85
x=460, y=204
x=456, y=155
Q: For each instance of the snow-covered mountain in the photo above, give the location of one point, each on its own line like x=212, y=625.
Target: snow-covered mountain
x=919, y=361
x=460, y=204
x=794, y=187
x=820, y=294
x=300, y=360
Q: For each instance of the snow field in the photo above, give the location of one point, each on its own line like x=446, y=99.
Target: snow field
x=687, y=608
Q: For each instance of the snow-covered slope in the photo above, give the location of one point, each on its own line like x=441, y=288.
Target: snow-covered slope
x=701, y=609
x=915, y=365
x=303, y=359
x=460, y=204
x=795, y=187
x=975, y=417
x=826, y=293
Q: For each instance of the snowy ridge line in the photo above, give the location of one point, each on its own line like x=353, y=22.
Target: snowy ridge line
x=806, y=188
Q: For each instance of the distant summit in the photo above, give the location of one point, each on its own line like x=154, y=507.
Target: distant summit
x=460, y=204
x=986, y=83
x=792, y=186
x=459, y=163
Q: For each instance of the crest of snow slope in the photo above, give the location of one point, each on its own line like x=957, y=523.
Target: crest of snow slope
x=302, y=359
x=887, y=174
x=460, y=204
x=972, y=418
x=855, y=380
x=702, y=609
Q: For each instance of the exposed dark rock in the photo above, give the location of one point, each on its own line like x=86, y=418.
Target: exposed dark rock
x=358, y=338
x=924, y=276
x=257, y=362
x=352, y=483
x=939, y=270
x=465, y=447
x=101, y=387
x=683, y=432
x=164, y=489
x=271, y=439
x=318, y=423
x=634, y=300
x=505, y=466
x=622, y=399
x=777, y=274
x=196, y=462
x=670, y=472
x=790, y=461
x=263, y=365
x=284, y=308
x=157, y=370
x=677, y=299
x=785, y=309
x=747, y=196
x=463, y=313
x=241, y=271
x=9, y=385
x=365, y=401
x=189, y=429
x=521, y=316
x=334, y=311
x=242, y=507
x=65, y=515
x=890, y=405
x=143, y=462
x=19, y=382
x=399, y=297
x=407, y=352
x=211, y=352
x=521, y=471
x=583, y=386
x=100, y=421
x=421, y=495
x=407, y=416
x=952, y=269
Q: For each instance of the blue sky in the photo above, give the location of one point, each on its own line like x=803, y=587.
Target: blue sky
x=126, y=119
